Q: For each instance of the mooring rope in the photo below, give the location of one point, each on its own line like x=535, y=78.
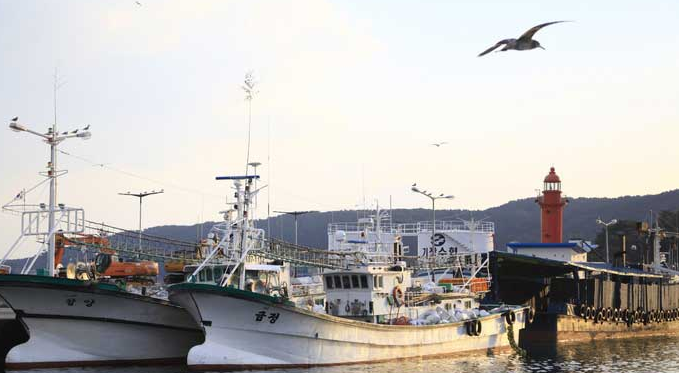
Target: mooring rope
x=510, y=336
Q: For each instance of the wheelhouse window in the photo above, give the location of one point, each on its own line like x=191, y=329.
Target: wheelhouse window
x=345, y=282
x=328, y=282
x=338, y=282
x=354, y=282
x=364, y=282
x=378, y=282
x=219, y=271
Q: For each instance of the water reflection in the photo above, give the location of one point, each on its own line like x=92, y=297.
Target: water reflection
x=641, y=355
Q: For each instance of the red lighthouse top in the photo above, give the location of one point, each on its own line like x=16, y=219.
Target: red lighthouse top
x=552, y=181
x=552, y=177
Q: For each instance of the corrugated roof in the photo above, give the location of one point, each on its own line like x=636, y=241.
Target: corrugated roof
x=563, y=266
x=542, y=245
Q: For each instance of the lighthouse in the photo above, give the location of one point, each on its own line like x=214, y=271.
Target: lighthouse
x=551, y=204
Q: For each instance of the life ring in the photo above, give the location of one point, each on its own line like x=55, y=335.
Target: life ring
x=588, y=313
x=598, y=316
x=399, y=296
x=470, y=327
x=583, y=311
x=477, y=327
x=616, y=315
x=531, y=315
x=609, y=314
x=510, y=317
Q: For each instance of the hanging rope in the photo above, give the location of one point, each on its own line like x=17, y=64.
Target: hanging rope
x=512, y=342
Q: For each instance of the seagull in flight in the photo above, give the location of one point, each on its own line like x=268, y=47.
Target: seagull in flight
x=524, y=42
x=438, y=144
x=138, y=3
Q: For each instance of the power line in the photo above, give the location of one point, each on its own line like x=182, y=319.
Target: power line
x=130, y=174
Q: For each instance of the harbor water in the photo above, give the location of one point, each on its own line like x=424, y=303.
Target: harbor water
x=628, y=355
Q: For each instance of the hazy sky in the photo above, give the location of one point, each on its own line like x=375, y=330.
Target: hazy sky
x=351, y=94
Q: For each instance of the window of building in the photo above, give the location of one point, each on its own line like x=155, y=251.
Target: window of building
x=338, y=282
x=354, y=282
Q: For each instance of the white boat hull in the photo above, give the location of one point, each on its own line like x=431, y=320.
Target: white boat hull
x=80, y=324
x=235, y=339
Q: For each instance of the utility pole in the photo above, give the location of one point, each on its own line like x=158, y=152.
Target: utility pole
x=141, y=196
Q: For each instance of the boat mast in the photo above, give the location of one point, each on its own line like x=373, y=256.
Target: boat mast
x=52, y=174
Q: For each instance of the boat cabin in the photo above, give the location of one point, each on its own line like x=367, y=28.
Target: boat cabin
x=379, y=293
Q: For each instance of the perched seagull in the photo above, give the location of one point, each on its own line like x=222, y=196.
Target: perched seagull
x=15, y=119
x=524, y=42
x=76, y=131
x=414, y=184
x=86, y=128
x=438, y=144
x=138, y=3
x=64, y=133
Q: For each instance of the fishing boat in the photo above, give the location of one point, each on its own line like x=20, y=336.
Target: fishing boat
x=82, y=323
x=374, y=309
x=78, y=315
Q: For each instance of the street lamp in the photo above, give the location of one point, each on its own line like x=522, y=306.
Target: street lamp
x=141, y=197
x=433, y=198
x=599, y=221
x=295, y=214
x=53, y=138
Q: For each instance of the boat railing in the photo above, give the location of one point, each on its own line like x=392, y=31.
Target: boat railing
x=414, y=228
